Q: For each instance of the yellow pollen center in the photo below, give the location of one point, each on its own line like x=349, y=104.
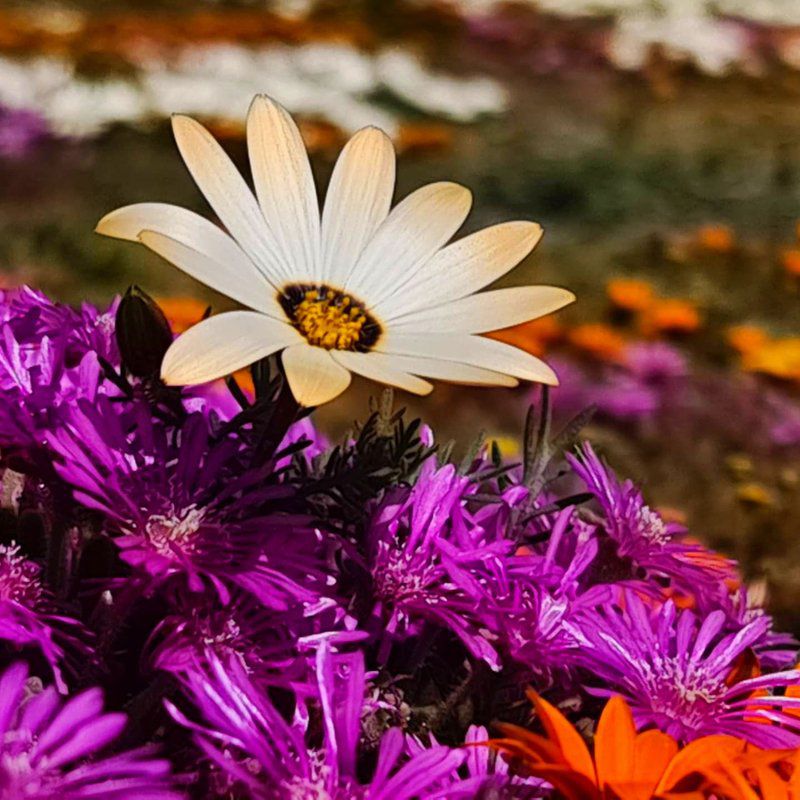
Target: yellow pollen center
x=334, y=323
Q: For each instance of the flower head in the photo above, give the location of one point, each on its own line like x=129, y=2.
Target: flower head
x=271, y=759
x=183, y=504
x=357, y=289
x=431, y=563
x=627, y=765
x=45, y=744
x=28, y=615
x=680, y=673
x=49, y=359
x=645, y=539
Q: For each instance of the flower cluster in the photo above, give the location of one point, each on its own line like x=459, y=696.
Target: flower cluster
x=281, y=618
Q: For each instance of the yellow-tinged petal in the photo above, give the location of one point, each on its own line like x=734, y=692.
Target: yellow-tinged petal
x=381, y=368
x=487, y=311
x=357, y=201
x=222, y=344
x=284, y=185
x=414, y=230
x=465, y=266
x=314, y=377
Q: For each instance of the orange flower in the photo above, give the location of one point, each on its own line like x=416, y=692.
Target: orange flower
x=533, y=336
x=182, y=312
x=746, y=338
x=629, y=294
x=419, y=137
x=320, y=136
x=245, y=380
x=642, y=766
x=779, y=358
x=599, y=341
x=790, y=259
x=670, y=316
x=716, y=238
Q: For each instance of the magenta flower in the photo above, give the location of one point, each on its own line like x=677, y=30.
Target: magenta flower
x=431, y=563
x=535, y=619
x=488, y=776
x=646, y=541
x=243, y=734
x=29, y=618
x=677, y=671
x=186, y=505
x=51, y=748
x=21, y=130
x=272, y=646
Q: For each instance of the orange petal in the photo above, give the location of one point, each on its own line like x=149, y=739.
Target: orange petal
x=653, y=752
x=564, y=736
x=700, y=756
x=614, y=743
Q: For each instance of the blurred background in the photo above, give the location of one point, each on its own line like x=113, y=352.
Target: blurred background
x=657, y=141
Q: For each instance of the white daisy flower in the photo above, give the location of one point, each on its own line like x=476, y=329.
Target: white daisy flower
x=358, y=288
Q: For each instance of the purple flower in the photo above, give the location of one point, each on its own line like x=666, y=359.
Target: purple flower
x=535, y=617
x=50, y=748
x=272, y=646
x=678, y=673
x=775, y=650
x=430, y=563
x=243, y=734
x=20, y=131
x=29, y=618
x=488, y=776
x=645, y=540
x=49, y=359
x=184, y=504
x=655, y=362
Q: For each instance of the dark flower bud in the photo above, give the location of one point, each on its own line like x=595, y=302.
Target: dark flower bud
x=143, y=333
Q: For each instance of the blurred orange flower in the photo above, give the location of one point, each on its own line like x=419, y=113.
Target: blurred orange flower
x=418, y=137
x=779, y=358
x=627, y=765
x=182, y=312
x=716, y=238
x=598, y=340
x=670, y=316
x=534, y=336
x=746, y=338
x=790, y=259
x=630, y=294
x=320, y=136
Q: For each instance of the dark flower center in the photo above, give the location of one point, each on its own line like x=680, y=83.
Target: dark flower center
x=330, y=318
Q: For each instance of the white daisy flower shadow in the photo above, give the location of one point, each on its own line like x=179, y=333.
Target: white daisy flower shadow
x=361, y=288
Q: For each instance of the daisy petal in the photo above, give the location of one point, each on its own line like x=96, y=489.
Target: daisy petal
x=487, y=311
x=314, y=377
x=222, y=344
x=229, y=196
x=240, y=281
x=357, y=202
x=465, y=266
x=381, y=368
x=477, y=351
x=452, y=371
x=414, y=230
x=183, y=226
x=284, y=185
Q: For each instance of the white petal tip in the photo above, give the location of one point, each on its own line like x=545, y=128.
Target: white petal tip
x=105, y=226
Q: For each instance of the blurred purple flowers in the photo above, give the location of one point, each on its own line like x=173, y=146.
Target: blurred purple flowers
x=284, y=618
x=20, y=131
